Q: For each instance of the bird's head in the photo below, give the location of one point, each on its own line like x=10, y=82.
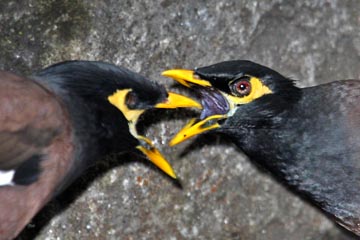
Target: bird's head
x=233, y=92
x=134, y=102
x=103, y=89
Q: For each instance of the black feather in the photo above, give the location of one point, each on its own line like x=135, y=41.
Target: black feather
x=29, y=171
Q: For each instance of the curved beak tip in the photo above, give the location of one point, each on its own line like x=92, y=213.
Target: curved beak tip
x=157, y=159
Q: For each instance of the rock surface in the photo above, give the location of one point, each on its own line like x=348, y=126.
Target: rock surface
x=222, y=194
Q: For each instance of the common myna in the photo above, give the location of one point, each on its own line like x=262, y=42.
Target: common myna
x=308, y=138
x=60, y=121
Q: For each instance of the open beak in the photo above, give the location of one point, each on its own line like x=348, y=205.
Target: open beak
x=189, y=79
x=175, y=100
x=194, y=128
x=118, y=99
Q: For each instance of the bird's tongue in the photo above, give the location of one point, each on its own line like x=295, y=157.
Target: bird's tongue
x=213, y=102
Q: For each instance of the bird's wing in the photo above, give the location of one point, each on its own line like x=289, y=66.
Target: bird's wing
x=29, y=122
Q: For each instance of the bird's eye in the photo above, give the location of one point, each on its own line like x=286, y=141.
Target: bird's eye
x=241, y=87
x=131, y=100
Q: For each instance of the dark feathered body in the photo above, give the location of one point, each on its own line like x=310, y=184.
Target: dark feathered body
x=312, y=143
x=55, y=126
x=308, y=138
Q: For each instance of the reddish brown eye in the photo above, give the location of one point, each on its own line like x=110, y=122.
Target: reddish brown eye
x=241, y=87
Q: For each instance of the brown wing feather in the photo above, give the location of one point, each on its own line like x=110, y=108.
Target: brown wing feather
x=32, y=121
x=29, y=119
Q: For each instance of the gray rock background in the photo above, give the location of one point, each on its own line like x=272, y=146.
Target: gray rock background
x=223, y=195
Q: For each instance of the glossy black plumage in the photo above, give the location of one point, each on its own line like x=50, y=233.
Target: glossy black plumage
x=312, y=146
x=308, y=138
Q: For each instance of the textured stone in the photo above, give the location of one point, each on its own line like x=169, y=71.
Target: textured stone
x=222, y=194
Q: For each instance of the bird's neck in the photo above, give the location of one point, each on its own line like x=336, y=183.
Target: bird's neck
x=267, y=112
x=303, y=151
x=98, y=130
x=264, y=131
x=98, y=127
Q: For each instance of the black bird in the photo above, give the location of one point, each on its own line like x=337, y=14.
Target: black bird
x=308, y=138
x=57, y=123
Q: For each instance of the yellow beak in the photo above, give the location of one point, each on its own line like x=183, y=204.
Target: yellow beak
x=187, y=78
x=192, y=129
x=184, y=77
x=175, y=100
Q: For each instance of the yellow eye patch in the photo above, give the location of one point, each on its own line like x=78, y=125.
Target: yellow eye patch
x=118, y=99
x=258, y=89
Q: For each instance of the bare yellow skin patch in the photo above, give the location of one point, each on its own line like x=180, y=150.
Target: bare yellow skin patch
x=118, y=99
x=258, y=89
x=187, y=77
